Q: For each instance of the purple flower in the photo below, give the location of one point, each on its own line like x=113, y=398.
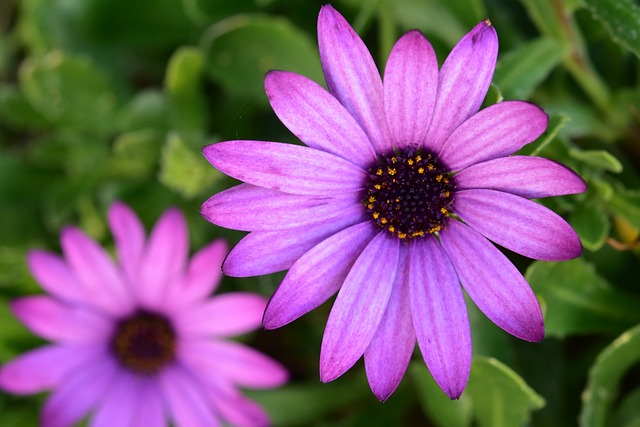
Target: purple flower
x=393, y=202
x=139, y=343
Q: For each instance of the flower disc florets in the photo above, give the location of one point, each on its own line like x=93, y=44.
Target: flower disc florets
x=409, y=193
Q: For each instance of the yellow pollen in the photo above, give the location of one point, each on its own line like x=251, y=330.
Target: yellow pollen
x=410, y=162
x=369, y=206
x=439, y=178
x=417, y=234
x=383, y=221
x=446, y=193
x=372, y=199
x=377, y=186
x=391, y=171
x=420, y=170
x=376, y=215
x=402, y=235
x=379, y=172
x=392, y=229
x=418, y=158
x=430, y=167
x=394, y=160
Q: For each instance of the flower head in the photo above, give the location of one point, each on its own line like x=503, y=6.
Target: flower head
x=139, y=342
x=393, y=204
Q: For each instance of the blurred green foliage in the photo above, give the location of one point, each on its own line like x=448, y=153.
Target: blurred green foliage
x=111, y=99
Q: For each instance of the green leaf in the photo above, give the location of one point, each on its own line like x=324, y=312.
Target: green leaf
x=577, y=300
x=557, y=122
x=17, y=112
x=620, y=18
x=500, y=397
x=420, y=14
x=183, y=85
x=136, y=153
x=592, y=225
x=626, y=203
x=599, y=159
x=605, y=377
x=242, y=49
x=627, y=414
x=148, y=109
x=520, y=71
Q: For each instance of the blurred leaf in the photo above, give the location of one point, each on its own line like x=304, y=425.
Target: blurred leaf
x=147, y=109
x=620, y=18
x=542, y=14
x=443, y=411
x=420, y=14
x=520, y=71
x=183, y=170
x=599, y=159
x=626, y=203
x=136, y=154
x=592, y=225
x=70, y=91
x=183, y=85
x=500, y=397
x=242, y=49
x=577, y=300
x=627, y=414
x=470, y=12
x=16, y=111
x=605, y=376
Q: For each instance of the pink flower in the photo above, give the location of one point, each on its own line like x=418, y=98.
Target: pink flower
x=138, y=342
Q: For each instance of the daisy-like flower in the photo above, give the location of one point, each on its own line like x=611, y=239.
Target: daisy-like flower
x=393, y=204
x=139, y=342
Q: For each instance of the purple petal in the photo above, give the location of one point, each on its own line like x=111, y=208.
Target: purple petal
x=43, y=368
x=410, y=83
x=317, y=275
x=440, y=317
x=518, y=224
x=233, y=313
x=121, y=403
x=524, y=176
x=352, y=76
x=234, y=362
x=151, y=413
x=129, y=235
x=493, y=283
x=286, y=167
x=389, y=352
x=359, y=307
x=496, y=131
x=463, y=82
x=53, y=274
x=164, y=259
x=270, y=251
x=186, y=398
x=58, y=322
x=250, y=208
x=317, y=118
x=235, y=408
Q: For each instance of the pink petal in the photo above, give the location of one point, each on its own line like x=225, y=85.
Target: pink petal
x=53, y=274
x=496, y=131
x=530, y=177
x=359, y=307
x=129, y=235
x=518, y=224
x=235, y=408
x=121, y=403
x=410, y=83
x=389, y=352
x=286, y=167
x=440, y=316
x=186, y=398
x=233, y=313
x=317, y=118
x=352, y=76
x=151, y=413
x=317, y=275
x=493, y=283
x=463, y=82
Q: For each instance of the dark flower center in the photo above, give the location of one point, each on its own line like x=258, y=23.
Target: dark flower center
x=144, y=342
x=409, y=193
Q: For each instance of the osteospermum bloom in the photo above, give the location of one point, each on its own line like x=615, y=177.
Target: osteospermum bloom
x=139, y=342
x=393, y=204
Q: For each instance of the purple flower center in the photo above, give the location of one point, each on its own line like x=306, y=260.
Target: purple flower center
x=409, y=193
x=144, y=342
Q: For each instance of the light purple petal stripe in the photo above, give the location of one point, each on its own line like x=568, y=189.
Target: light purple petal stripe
x=359, y=306
x=389, y=352
x=129, y=237
x=496, y=131
x=317, y=275
x=352, y=76
x=186, y=398
x=265, y=252
x=440, y=316
x=250, y=208
x=151, y=414
x=317, y=117
x=410, y=84
x=463, y=82
x=286, y=167
x=55, y=277
x=518, y=224
x=524, y=176
x=121, y=403
x=493, y=283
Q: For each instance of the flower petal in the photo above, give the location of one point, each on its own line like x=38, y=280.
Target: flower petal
x=317, y=275
x=352, y=76
x=518, y=224
x=120, y=404
x=317, y=118
x=129, y=235
x=359, y=307
x=524, y=176
x=286, y=167
x=186, y=398
x=410, y=83
x=493, y=283
x=440, y=317
x=389, y=352
x=54, y=276
x=54, y=321
x=234, y=362
x=233, y=313
x=265, y=252
x=496, y=131
x=250, y=208
x=151, y=414
x=235, y=408
x=463, y=82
